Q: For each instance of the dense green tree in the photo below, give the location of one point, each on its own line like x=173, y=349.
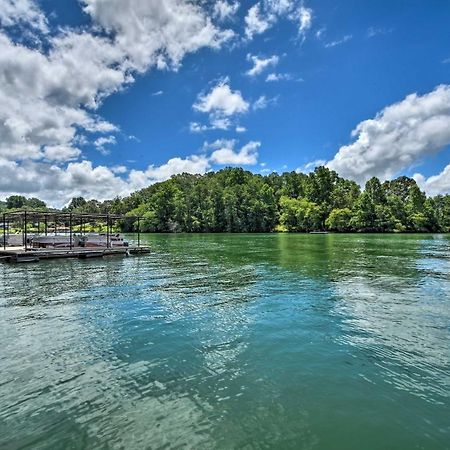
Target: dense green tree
x=339, y=220
x=235, y=200
x=300, y=214
x=77, y=204
x=399, y=187
x=16, y=201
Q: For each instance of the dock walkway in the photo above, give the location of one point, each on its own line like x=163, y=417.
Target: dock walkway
x=19, y=254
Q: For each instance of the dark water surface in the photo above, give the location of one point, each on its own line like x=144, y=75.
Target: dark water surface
x=231, y=341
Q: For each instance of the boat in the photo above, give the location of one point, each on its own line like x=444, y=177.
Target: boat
x=101, y=240
x=55, y=241
x=94, y=240
x=12, y=240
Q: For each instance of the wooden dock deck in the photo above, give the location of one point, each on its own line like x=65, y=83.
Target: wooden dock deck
x=20, y=255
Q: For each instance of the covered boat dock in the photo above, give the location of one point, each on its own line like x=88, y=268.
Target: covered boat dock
x=64, y=235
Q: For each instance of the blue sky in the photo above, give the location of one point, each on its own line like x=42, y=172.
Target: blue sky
x=104, y=97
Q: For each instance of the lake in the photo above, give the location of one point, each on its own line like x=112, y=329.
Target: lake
x=231, y=341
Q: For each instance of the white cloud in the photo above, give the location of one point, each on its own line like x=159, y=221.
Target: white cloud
x=119, y=169
x=196, y=127
x=436, y=184
x=446, y=61
x=222, y=104
x=399, y=136
x=280, y=77
x=320, y=32
x=224, y=10
x=309, y=167
x=57, y=185
x=49, y=94
x=260, y=64
x=264, y=14
x=225, y=153
x=240, y=129
x=374, y=31
x=22, y=12
x=157, y=93
x=255, y=22
x=222, y=100
x=263, y=102
x=305, y=17
x=154, y=174
x=50, y=97
x=61, y=153
x=101, y=142
x=332, y=44
x=156, y=32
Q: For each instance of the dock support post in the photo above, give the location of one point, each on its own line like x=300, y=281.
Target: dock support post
x=70, y=231
x=4, y=231
x=139, y=232
x=24, y=231
x=45, y=225
x=107, y=231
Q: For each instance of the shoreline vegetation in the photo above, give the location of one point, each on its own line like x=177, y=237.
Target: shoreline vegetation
x=234, y=200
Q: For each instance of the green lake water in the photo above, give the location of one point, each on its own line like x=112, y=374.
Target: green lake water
x=232, y=342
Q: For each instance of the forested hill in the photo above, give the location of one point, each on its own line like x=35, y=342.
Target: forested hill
x=234, y=200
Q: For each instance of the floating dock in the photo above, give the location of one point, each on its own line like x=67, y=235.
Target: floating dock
x=18, y=247
x=20, y=255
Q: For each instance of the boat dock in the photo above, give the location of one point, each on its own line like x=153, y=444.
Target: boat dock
x=19, y=255
x=39, y=236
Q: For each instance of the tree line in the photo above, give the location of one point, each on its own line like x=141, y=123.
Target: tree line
x=235, y=200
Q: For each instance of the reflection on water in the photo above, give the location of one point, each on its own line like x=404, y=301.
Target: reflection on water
x=231, y=341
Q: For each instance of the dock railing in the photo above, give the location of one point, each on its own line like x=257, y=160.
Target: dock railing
x=25, y=223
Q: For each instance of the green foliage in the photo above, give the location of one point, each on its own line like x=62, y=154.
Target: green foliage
x=299, y=214
x=234, y=200
x=16, y=202
x=339, y=220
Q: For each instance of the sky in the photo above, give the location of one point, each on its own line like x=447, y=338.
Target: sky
x=99, y=98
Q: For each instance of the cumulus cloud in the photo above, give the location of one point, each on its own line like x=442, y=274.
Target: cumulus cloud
x=263, y=102
x=24, y=13
x=221, y=99
x=221, y=103
x=399, y=137
x=280, y=77
x=49, y=94
x=156, y=32
x=57, y=184
x=310, y=166
x=101, y=143
x=224, y=10
x=264, y=14
x=46, y=98
x=436, y=184
x=305, y=18
x=192, y=164
x=255, y=22
x=226, y=155
x=260, y=64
